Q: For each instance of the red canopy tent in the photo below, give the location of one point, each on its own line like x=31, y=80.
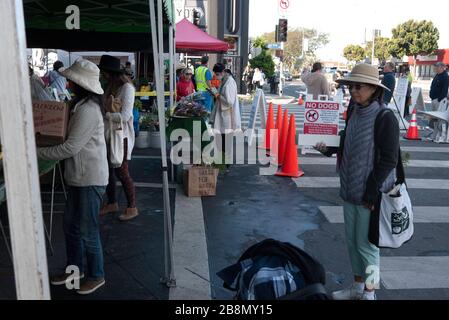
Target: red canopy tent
x=189, y=38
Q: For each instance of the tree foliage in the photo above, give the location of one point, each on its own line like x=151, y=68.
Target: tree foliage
x=413, y=38
x=293, y=47
x=265, y=62
x=354, y=53
x=381, y=48
x=260, y=42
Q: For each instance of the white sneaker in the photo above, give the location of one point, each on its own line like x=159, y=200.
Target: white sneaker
x=351, y=293
x=368, y=296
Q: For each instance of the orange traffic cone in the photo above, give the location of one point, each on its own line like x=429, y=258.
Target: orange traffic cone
x=283, y=138
x=300, y=100
x=278, y=127
x=412, y=132
x=268, y=127
x=290, y=163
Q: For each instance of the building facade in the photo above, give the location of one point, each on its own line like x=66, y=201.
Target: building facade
x=226, y=20
x=424, y=64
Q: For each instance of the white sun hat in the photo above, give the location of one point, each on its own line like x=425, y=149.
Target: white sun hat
x=85, y=74
x=363, y=73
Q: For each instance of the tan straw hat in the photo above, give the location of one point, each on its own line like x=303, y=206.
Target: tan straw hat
x=85, y=74
x=363, y=73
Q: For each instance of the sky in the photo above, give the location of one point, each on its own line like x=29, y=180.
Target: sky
x=346, y=20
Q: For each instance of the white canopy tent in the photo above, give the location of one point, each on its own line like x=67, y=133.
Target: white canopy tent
x=19, y=148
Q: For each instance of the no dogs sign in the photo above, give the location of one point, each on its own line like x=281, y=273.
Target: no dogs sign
x=321, y=120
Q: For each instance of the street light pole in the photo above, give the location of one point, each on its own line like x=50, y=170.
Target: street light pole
x=281, y=69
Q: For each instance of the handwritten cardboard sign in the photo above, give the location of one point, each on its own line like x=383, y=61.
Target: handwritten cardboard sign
x=50, y=122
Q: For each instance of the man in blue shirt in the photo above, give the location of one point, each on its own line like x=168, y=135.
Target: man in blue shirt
x=389, y=81
x=58, y=81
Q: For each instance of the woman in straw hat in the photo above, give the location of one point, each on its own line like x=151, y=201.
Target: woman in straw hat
x=362, y=176
x=119, y=104
x=86, y=174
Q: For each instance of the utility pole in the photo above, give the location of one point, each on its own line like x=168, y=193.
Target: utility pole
x=374, y=39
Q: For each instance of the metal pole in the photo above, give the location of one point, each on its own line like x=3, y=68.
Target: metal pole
x=281, y=65
x=169, y=271
x=374, y=39
x=171, y=71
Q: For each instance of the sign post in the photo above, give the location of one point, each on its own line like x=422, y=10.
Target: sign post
x=259, y=105
x=283, y=7
x=398, y=103
x=321, y=120
x=417, y=100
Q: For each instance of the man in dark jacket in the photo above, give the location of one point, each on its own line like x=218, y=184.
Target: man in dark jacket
x=438, y=92
x=439, y=86
x=389, y=81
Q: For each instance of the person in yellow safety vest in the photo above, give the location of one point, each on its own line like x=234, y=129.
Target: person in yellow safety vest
x=203, y=77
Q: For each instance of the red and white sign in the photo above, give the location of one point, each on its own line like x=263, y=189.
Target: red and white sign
x=283, y=7
x=284, y=4
x=321, y=120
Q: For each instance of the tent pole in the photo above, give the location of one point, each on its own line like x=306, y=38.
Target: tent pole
x=161, y=95
x=20, y=161
x=169, y=273
x=172, y=83
x=172, y=78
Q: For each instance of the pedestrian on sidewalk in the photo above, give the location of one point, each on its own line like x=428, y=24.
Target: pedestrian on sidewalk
x=438, y=92
x=439, y=86
x=247, y=79
x=389, y=81
x=258, y=80
x=366, y=162
x=315, y=81
x=86, y=175
x=119, y=104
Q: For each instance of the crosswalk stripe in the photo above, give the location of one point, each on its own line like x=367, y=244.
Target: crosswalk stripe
x=334, y=182
x=414, y=272
x=334, y=214
x=410, y=163
x=426, y=149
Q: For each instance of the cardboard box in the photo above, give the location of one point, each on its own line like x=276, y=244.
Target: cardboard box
x=50, y=122
x=200, y=181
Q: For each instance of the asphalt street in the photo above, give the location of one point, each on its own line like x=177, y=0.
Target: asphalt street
x=307, y=212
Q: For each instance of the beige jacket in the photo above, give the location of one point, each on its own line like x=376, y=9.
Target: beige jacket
x=226, y=113
x=316, y=84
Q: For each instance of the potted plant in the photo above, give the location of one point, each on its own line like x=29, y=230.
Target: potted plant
x=143, y=139
x=155, y=134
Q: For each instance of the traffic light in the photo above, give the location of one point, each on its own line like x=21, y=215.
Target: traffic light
x=282, y=33
x=196, y=17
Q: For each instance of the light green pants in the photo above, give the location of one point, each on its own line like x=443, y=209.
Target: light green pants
x=363, y=254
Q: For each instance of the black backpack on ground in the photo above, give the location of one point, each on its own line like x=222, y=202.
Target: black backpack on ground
x=272, y=270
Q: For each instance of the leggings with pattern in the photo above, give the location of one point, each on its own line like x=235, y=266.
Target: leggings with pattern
x=123, y=175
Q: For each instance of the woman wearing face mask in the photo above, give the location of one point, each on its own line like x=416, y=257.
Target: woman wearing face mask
x=367, y=159
x=226, y=114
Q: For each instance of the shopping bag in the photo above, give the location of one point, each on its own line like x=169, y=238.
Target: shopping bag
x=200, y=181
x=395, y=218
x=116, y=147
